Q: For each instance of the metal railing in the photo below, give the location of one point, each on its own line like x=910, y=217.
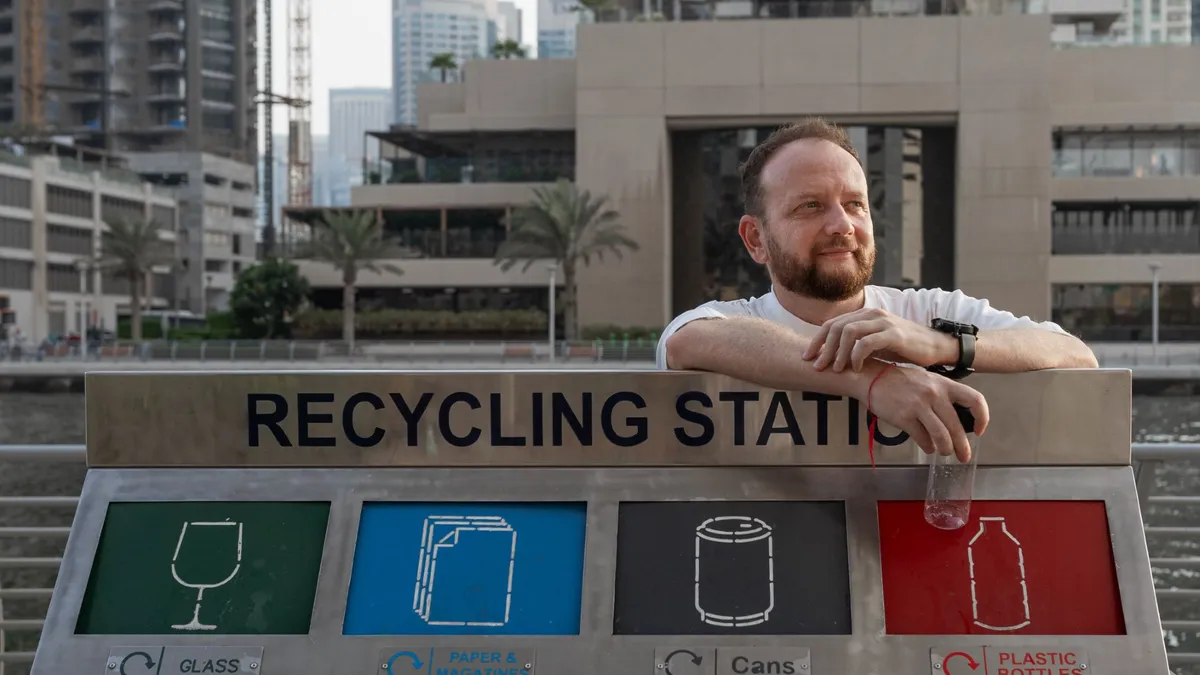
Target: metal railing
x=1148, y=458
x=416, y=351
x=608, y=350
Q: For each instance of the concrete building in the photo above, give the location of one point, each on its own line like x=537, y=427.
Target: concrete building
x=352, y=113
x=422, y=29
x=1155, y=22
x=138, y=76
x=1048, y=179
x=509, y=25
x=216, y=221
x=52, y=220
x=556, y=22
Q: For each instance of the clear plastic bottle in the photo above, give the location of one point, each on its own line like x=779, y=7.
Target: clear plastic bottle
x=951, y=482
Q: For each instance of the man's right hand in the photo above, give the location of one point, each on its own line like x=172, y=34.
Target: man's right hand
x=922, y=404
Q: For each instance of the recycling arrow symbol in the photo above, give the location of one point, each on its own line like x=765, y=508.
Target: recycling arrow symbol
x=695, y=659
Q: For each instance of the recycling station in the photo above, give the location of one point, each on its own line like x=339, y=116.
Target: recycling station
x=592, y=523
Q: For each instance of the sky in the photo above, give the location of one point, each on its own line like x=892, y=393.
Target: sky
x=351, y=47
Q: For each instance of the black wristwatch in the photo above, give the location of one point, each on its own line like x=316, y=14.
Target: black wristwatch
x=966, y=334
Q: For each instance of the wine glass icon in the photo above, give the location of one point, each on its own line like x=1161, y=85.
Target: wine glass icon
x=200, y=547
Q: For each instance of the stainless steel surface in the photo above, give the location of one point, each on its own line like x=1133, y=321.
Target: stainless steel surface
x=1063, y=659
x=684, y=661
x=869, y=650
x=161, y=660
x=754, y=660
x=1057, y=417
x=55, y=454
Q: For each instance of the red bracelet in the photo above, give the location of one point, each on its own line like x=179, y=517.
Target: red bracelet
x=871, y=426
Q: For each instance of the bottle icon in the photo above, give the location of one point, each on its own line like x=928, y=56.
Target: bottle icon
x=735, y=571
x=999, y=595
x=951, y=483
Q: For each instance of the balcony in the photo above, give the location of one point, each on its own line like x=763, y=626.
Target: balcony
x=1102, y=14
x=165, y=64
x=461, y=170
x=164, y=6
x=1126, y=228
x=166, y=97
x=471, y=157
x=90, y=34
x=82, y=8
x=86, y=65
x=165, y=34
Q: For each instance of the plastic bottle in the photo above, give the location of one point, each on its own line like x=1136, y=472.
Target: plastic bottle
x=951, y=482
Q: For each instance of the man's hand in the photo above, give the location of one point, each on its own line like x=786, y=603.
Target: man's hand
x=922, y=404
x=850, y=339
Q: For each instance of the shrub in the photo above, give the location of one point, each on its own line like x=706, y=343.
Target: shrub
x=393, y=324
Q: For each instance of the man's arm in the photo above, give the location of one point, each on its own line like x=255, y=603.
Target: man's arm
x=1021, y=349
x=758, y=351
x=1006, y=343
x=769, y=355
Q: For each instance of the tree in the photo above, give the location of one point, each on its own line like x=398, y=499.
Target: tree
x=508, y=49
x=444, y=62
x=567, y=225
x=353, y=241
x=130, y=249
x=264, y=298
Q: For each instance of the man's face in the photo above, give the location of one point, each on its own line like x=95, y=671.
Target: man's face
x=817, y=238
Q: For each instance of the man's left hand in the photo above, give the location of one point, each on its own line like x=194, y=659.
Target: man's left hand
x=851, y=339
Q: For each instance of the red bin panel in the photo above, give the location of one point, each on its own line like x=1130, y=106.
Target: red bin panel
x=1016, y=568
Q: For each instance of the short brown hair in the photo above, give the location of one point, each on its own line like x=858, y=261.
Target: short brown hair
x=812, y=127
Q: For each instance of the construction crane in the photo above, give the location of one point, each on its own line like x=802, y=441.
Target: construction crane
x=298, y=100
x=32, y=65
x=300, y=120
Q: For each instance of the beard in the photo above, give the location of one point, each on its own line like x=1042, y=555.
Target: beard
x=809, y=280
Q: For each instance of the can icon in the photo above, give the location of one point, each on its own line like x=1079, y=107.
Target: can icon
x=735, y=571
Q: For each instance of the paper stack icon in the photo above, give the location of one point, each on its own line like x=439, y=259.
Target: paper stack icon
x=465, y=571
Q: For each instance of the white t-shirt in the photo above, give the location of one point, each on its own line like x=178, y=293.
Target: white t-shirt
x=917, y=305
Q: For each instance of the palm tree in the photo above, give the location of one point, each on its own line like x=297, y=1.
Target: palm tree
x=444, y=62
x=570, y=226
x=508, y=49
x=353, y=241
x=130, y=249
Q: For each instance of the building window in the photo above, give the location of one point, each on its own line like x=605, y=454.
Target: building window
x=419, y=232
x=68, y=202
x=64, y=239
x=474, y=233
x=14, y=192
x=15, y=233
x=217, y=60
x=219, y=90
x=217, y=239
x=1081, y=228
x=114, y=209
x=62, y=278
x=1123, y=312
x=16, y=275
x=215, y=120
x=1127, y=154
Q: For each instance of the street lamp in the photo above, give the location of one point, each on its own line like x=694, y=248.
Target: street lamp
x=1154, y=268
x=86, y=266
x=553, y=267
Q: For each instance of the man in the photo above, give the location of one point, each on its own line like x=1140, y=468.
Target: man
x=822, y=328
